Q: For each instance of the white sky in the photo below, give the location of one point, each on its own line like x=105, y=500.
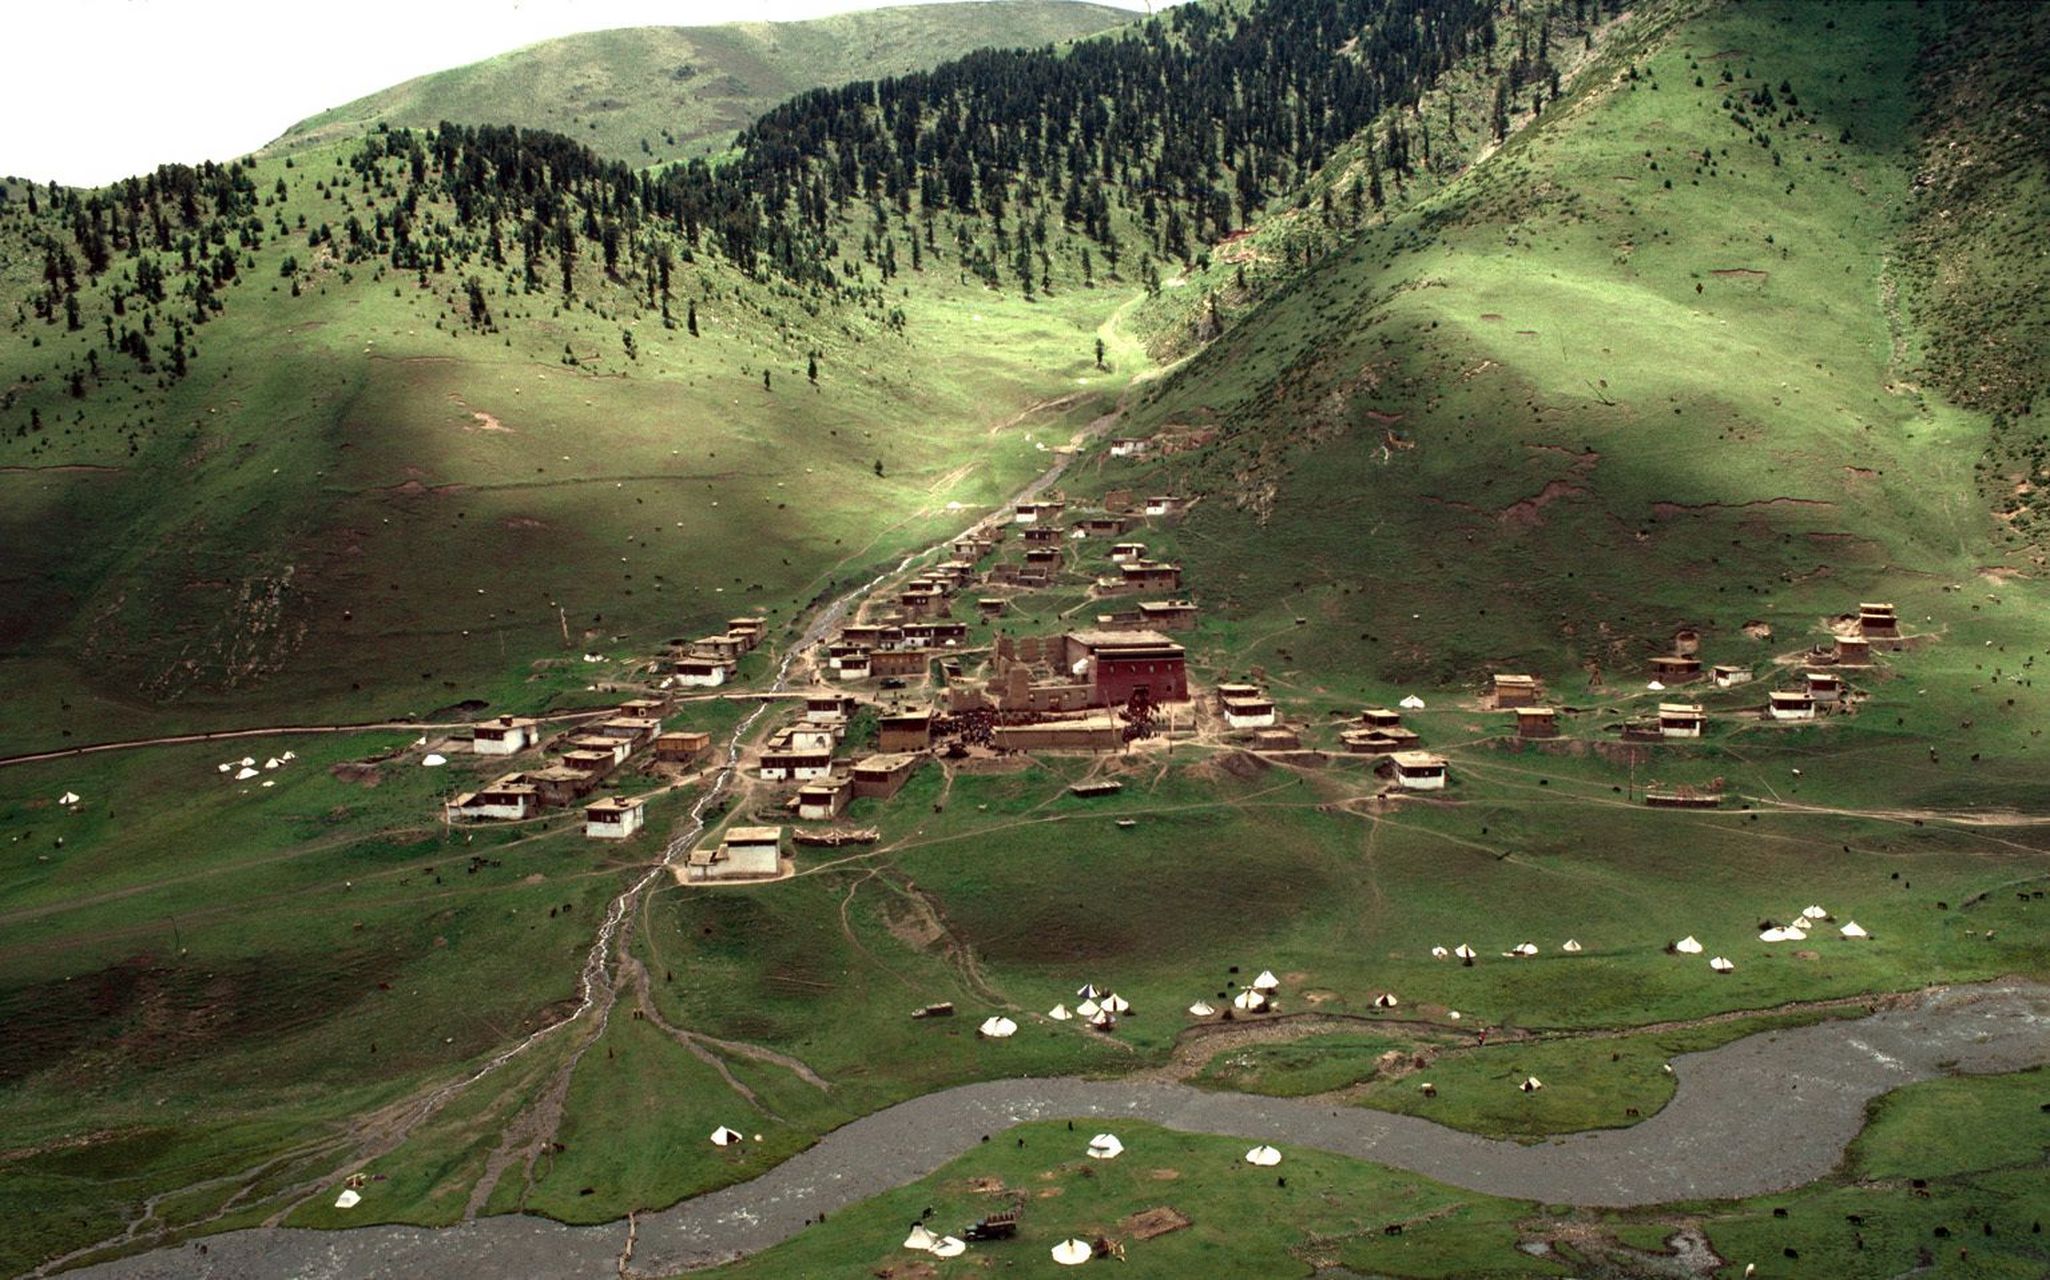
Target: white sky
x=95, y=90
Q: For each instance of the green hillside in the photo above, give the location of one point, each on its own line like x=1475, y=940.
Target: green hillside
x=650, y=95
x=1504, y=338
x=1643, y=370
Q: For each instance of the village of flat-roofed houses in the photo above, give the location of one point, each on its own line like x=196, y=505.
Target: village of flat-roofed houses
x=1056, y=626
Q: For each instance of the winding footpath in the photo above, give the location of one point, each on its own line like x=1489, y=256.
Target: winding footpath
x=1761, y=1114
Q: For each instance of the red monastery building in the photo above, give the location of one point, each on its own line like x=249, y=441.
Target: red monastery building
x=1117, y=664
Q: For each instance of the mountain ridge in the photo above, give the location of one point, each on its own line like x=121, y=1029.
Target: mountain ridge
x=655, y=94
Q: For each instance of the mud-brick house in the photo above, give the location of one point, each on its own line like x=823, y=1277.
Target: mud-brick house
x=1420, y=771
x=824, y=800
x=504, y=735
x=1789, y=704
x=508, y=799
x=694, y=672
x=1675, y=668
x=1876, y=618
x=681, y=747
x=1516, y=691
x=746, y=853
x=882, y=776
x=905, y=729
x=615, y=817
x=1681, y=720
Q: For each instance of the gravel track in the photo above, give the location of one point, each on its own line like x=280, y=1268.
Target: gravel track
x=1761, y=1114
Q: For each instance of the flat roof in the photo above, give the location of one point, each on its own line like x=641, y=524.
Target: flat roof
x=1536, y=711
x=1681, y=709
x=615, y=804
x=1418, y=760
x=555, y=773
x=1123, y=640
x=1513, y=679
x=1062, y=726
x=753, y=835
x=887, y=763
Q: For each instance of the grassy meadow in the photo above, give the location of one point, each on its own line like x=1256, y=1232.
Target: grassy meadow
x=1640, y=370
x=652, y=95
x=1317, y=1211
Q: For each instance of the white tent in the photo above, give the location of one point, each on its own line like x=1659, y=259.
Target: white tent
x=68, y=799
x=249, y=762
x=1088, y=991
x=1266, y=981
x=272, y=763
x=920, y=1239
x=349, y=1199
x=1569, y=945
x=1386, y=1000
x=225, y=767
x=997, y=1028
x=1525, y=948
x=725, y=1137
x=1531, y=1084
x=1102, y=1019
x=1453, y=1014
x=1200, y=1009
x=1088, y=1008
x=1464, y=952
x=1654, y=686
x=1059, y=1013
x=1721, y=964
x=435, y=760
x=1781, y=935
x=1814, y=913
x=1265, y=1156
x=245, y=775
x=1688, y=946
x=1249, y=999
x=1854, y=930
x=289, y=756
x=1105, y=1146
x=949, y=1247
x=1072, y=1253
x=1439, y=953
x=1411, y=703
x=1115, y=1003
